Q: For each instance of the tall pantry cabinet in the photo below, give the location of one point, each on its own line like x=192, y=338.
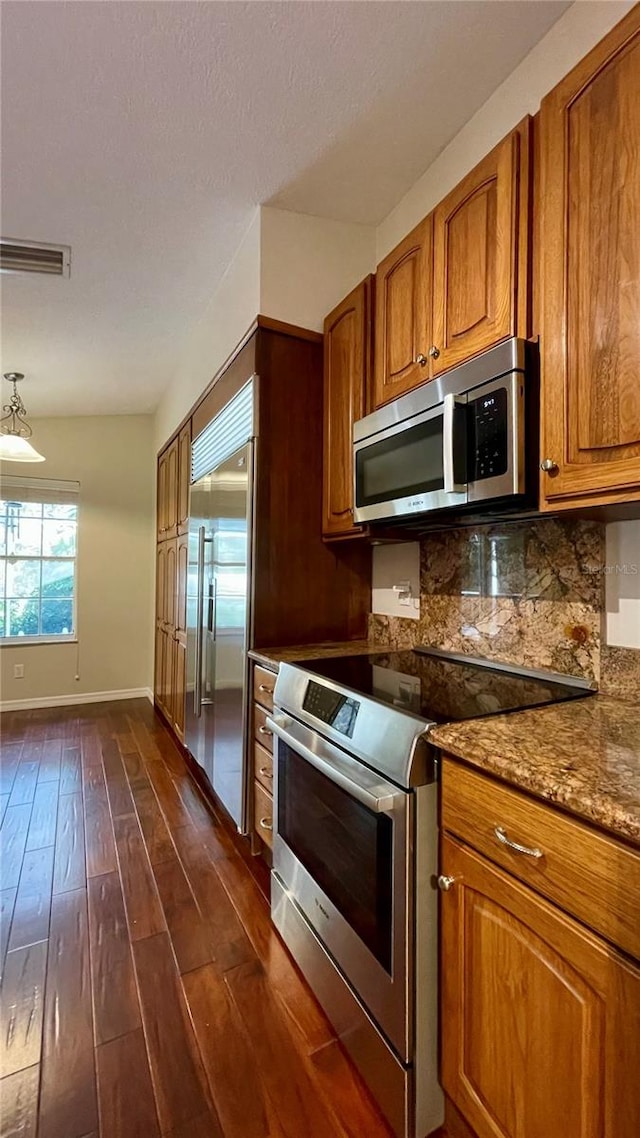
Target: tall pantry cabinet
x=171, y=578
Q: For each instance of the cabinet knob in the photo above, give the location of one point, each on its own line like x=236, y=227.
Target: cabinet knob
x=434, y=352
x=420, y=359
x=549, y=466
x=445, y=882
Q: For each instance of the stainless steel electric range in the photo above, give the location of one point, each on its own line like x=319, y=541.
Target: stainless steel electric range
x=354, y=882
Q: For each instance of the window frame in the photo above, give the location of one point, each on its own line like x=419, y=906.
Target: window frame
x=45, y=637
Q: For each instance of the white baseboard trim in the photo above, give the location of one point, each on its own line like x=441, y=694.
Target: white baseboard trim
x=76, y=698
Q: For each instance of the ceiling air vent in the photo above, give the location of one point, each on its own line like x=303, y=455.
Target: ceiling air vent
x=34, y=257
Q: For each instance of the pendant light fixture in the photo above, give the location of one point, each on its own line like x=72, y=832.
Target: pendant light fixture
x=15, y=432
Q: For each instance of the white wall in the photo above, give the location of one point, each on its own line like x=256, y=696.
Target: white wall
x=574, y=34
x=392, y=565
x=112, y=457
x=290, y=266
x=623, y=584
x=308, y=264
x=230, y=312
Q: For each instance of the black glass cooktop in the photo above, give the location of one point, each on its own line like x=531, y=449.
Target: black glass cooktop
x=441, y=688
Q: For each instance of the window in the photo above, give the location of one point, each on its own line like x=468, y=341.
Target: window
x=38, y=543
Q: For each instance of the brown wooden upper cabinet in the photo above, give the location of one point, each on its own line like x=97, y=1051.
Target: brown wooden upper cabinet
x=403, y=315
x=174, y=477
x=480, y=256
x=458, y=283
x=184, y=477
x=588, y=235
x=161, y=496
x=167, y=507
x=347, y=359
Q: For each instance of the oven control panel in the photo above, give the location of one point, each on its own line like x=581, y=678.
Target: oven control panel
x=329, y=706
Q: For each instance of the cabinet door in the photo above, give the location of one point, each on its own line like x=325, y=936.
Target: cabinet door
x=540, y=1019
x=171, y=578
x=182, y=568
x=479, y=278
x=172, y=490
x=403, y=315
x=161, y=501
x=589, y=275
x=179, y=684
x=184, y=477
x=161, y=583
x=158, y=672
x=347, y=353
x=168, y=678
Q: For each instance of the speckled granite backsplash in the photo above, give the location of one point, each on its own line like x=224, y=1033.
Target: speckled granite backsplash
x=525, y=593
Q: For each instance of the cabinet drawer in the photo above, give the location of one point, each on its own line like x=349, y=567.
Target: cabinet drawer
x=264, y=682
x=263, y=767
x=263, y=814
x=588, y=874
x=260, y=730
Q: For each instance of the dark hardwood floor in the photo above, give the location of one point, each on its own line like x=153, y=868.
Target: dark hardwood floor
x=145, y=991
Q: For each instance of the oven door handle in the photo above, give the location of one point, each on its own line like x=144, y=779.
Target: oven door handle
x=329, y=762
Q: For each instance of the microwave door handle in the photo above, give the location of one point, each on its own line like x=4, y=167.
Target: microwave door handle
x=448, y=444
x=379, y=804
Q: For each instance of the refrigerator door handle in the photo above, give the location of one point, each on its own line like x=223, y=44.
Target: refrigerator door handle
x=197, y=687
x=211, y=607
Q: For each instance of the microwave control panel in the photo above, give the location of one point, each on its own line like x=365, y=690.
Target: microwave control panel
x=488, y=435
x=338, y=711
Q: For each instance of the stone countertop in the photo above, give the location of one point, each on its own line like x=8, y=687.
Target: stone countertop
x=272, y=657
x=583, y=756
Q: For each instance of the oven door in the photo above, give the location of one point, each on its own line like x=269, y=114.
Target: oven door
x=414, y=466
x=343, y=849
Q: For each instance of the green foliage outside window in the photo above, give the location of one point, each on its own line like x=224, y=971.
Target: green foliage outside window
x=37, y=568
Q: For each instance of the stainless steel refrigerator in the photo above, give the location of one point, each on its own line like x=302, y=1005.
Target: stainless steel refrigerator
x=218, y=601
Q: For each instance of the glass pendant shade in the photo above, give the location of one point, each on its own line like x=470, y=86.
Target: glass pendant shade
x=13, y=448
x=15, y=432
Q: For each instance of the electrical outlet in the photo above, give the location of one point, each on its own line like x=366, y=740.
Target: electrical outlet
x=18, y=671
x=403, y=592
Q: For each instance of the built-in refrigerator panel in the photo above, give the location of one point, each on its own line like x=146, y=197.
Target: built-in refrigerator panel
x=218, y=605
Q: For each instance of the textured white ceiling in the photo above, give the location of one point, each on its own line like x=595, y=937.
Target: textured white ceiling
x=144, y=135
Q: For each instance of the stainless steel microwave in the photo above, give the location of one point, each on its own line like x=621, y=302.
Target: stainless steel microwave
x=456, y=443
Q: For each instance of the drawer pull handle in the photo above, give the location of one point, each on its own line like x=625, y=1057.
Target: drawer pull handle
x=530, y=851
x=264, y=730
x=266, y=772
x=266, y=688
x=266, y=824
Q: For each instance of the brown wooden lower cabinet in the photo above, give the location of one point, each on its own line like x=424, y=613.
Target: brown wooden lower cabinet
x=179, y=685
x=263, y=682
x=171, y=633
x=158, y=674
x=263, y=814
x=540, y=1017
x=168, y=693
